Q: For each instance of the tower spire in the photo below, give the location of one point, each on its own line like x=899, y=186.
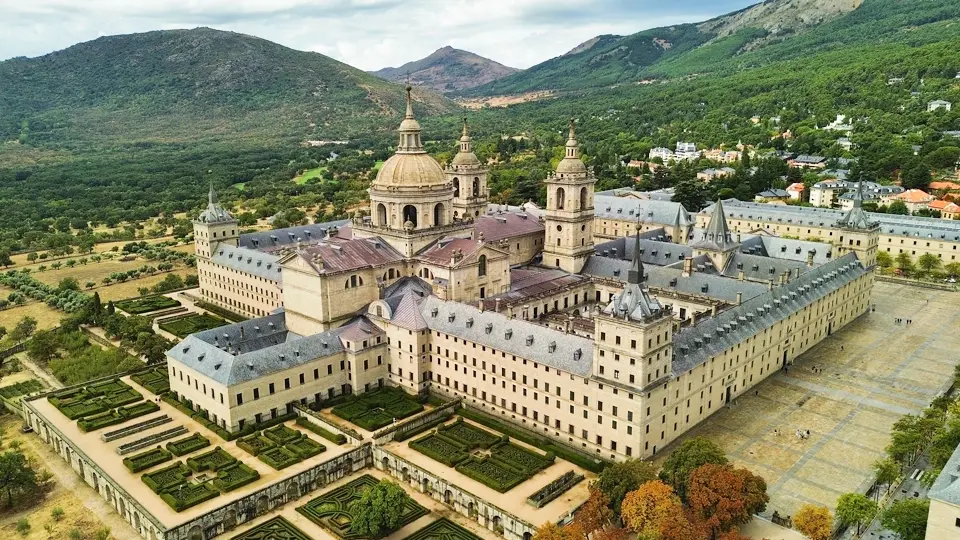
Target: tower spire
x=212, y=195
x=573, y=149
x=409, y=114
x=466, y=128
x=409, y=129
x=635, y=274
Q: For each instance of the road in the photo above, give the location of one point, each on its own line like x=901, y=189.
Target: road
x=911, y=488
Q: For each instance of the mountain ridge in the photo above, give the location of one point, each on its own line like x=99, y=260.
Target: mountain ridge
x=447, y=70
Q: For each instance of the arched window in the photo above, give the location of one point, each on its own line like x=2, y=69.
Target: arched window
x=583, y=198
x=456, y=187
x=482, y=270
x=561, y=198
x=438, y=214
x=410, y=214
x=382, y=215
x=476, y=187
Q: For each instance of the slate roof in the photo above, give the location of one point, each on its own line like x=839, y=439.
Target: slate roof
x=760, y=268
x=282, y=237
x=694, y=345
x=785, y=248
x=251, y=349
x=946, y=487
x=496, y=227
x=773, y=193
x=536, y=343
x=529, y=283
x=652, y=251
x=717, y=235
x=249, y=261
x=648, y=211
x=890, y=224
x=214, y=213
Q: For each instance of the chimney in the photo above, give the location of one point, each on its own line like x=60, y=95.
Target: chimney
x=566, y=325
x=693, y=317
x=509, y=312
x=687, y=267
x=480, y=305
x=739, y=297
x=796, y=273
x=496, y=308
x=810, y=258
x=738, y=238
x=771, y=285
x=713, y=311
x=241, y=332
x=740, y=275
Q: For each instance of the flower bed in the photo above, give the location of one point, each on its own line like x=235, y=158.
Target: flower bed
x=472, y=437
x=21, y=388
x=116, y=416
x=331, y=510
x=182, y=447
x=378, y=408
x=282, y=434
x=491, y=473
x=167, y=478
x=305, y=447
x=442, y=529
x=440, y=449
x=254, y=444
x=278, y=457
x=213, y=460
x=234, y=476
x=146, y=304
x=145, y=460
x=156, y=380
x=335, y=438
x=185, y=495
x=554, y=489
x=94, y=399
x=191, y=324
x=277, y=528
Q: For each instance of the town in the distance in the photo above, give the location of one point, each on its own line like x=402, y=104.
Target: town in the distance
x=518, y=309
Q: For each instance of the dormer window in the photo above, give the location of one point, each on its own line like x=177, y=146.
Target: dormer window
x=577, y=355
x=552, y=346
x=470, y=322
x=489, y=328
x=508, y=334
x=451, y=317
x=434, y=312
x=529, y=341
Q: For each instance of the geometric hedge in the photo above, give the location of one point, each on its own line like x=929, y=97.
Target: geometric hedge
x=375, y=409
x=330, y=510
x=443, y=529
x=273, y=529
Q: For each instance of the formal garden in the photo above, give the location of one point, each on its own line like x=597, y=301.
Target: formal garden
x=146, y=304
x=443, y=529
x=277, y=528
x=483, y=456
x=191, y=324
x=22, y=388
x=280, y=446
x=182, y=447
x=116, y=416
x=337, y=510
x=77, y=403
x=146, y=460
x=378, y=408
x=173, y=483
x=155, y=380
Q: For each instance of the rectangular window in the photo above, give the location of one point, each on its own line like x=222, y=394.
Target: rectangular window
x=272, y=390
x=239, y=398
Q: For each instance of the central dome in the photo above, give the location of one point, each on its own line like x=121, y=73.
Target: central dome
x=410, y=170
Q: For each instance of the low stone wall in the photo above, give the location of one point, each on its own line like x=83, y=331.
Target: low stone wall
x=312, y=416
x=387, y=434
x=229, y=516
x=483, y=512
x=917, y=283
x=20, y=347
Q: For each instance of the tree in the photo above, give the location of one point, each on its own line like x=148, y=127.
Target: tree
x=32, y=256
x=929, y=263
x=904, y=263
x=5, y=259
x=916, y=177
x=887, y=471
x=68, y=284
x=884, y=260
x=725, y=497
x=692, y=194
x=551, y=531
x=23, y=329
x=623, y=477
x=907, y=518
x=594, y=514
x=898, y=207
x=855, y=509
x=688, y=456
x=152, y=346
x=18, y=479
x=646, y=509
x=43, y=347
x=378, y=510
x=815, y=522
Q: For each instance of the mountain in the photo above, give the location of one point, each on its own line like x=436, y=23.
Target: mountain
x=759, y=35
x=193, y=84
x=448, y=70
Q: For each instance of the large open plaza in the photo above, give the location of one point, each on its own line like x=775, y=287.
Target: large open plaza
x=868, y=375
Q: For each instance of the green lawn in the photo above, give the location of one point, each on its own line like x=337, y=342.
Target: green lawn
x=307, y=175
x=192, y=324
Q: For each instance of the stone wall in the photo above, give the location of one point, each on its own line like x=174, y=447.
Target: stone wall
x=483, y=512
x=387, y=434
x=314, y=417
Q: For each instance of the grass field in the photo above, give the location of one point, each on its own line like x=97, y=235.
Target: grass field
x=46, y=317
x=307, y=175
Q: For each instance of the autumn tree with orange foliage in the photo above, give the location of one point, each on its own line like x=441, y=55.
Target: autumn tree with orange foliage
x=552, y=531
x=724, y=497
x=815, y=522
x=645, y=509
x=595, y=514
x=611, y=533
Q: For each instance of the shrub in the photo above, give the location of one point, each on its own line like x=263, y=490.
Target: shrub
x=145, y=460
x=254, y=444
x=167, y=478
x=234, y=476
x=305, y=447
x=278, y=457
x=336, y=438
x=56, y=513
x=186, y=496
x=213, y=460
x=182, y=447
x=282, y=434
x=23, y=526
x=137, y=306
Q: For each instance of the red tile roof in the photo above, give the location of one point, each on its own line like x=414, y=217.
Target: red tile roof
x=506, y=225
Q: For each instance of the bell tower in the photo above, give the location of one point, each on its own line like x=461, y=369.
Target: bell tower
x=569, y=214
x=469, y=180
x=214, y=226
x=858, y=233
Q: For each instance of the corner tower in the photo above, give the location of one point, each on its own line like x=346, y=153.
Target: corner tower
x=469, y=179
x=214, y=226
x=569, y=214
x=859, y=233
x=634, y=334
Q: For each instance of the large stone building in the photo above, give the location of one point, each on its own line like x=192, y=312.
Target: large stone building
x=615, y=348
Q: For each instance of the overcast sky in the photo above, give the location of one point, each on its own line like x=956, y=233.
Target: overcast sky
x=368, y=34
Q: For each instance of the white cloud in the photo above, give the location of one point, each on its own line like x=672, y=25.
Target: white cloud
x=368, y=34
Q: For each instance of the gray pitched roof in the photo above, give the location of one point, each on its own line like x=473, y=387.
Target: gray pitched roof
x=694, y=345
x=651, y=251
x=265, y=265
x=214, y=213
x=856, y=218
x=890, y=224
x=251, y=349
x=717, y=235
x=282, y=237
x=667, y=213
x=785, y=248
x=759, y=268
x=946, y=487
x=536, y=343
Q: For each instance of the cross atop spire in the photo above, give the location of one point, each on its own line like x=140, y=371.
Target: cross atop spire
x=409, y=129
x=466, y=128
x=635, y=274
x=573, y=149
x=409, y=103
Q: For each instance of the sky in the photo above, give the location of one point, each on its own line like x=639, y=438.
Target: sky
x=368, y=34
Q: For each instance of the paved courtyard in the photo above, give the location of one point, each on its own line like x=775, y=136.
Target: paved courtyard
x=873, y=372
